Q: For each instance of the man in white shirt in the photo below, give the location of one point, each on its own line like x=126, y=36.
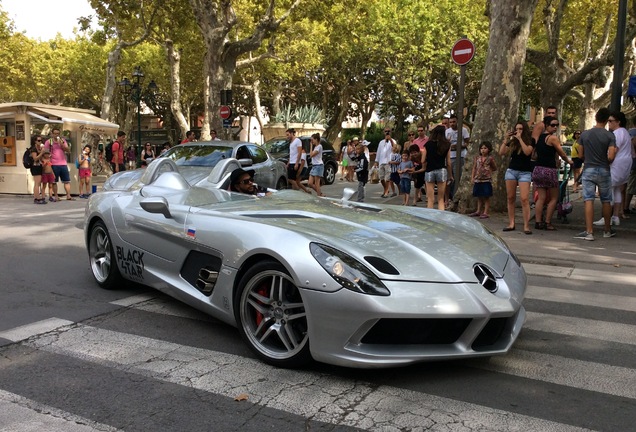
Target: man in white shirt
x=382, y=159
x=295, y=153
x=451, y=135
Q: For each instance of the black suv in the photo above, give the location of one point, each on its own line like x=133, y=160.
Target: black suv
x=279, y=149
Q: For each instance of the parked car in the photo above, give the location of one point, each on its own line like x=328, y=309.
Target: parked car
x=279, y=148
x=303, y=277
x=196, y=160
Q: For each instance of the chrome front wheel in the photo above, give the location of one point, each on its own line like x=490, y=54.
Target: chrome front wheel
x=272, y=317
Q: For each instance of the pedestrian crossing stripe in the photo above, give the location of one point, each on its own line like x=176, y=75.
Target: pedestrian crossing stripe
x=314, y=395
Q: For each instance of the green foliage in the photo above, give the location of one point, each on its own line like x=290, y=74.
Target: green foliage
x=301, y=114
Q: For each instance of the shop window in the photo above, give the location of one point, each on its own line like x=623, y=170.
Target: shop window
x=8, y=154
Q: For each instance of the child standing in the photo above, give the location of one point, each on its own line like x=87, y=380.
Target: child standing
x=85, y=171
x=48, y=176
x=482, y=179
x=361, y=170
x=405, y=170
x=394, y=163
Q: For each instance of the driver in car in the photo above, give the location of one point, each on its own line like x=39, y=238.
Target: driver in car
x=242, y=181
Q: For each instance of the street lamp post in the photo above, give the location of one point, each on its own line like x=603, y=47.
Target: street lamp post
x=134, y=91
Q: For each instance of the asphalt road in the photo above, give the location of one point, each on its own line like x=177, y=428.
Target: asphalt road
x=74, y=357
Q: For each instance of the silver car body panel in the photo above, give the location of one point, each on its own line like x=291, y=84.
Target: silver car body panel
x=434, y=254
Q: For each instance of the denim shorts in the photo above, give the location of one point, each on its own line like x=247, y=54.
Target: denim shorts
x=61, y=173
x=405, y=185
x=317, y=170
x=436, y=176
x=519, y=176
x=593, y=177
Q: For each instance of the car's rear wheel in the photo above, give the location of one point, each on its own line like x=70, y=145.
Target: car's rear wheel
x=271, y=315
x=281, y=183
x=330, y=174
x=102, y=258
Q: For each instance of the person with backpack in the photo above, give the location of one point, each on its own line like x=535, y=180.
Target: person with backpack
x=117, y=158
x=31, y=161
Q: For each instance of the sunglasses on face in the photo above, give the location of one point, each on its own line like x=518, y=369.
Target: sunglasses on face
x=554, y=124
x=386, y=132
x=38, y=140
x=247, y=181
x=420, y=130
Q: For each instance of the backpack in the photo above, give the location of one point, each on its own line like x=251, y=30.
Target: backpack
x=108, y=151
x=27, y=160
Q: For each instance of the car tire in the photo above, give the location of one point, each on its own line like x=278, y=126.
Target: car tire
x=102, y=258
x=281, y=183
x=330, y=174
x=271, y=316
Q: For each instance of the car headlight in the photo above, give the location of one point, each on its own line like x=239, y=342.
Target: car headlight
x=347, y=271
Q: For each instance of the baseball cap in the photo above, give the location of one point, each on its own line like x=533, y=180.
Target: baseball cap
x=237, y=173
x=355, y=138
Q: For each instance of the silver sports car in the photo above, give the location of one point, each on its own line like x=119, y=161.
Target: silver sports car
x=306, y=278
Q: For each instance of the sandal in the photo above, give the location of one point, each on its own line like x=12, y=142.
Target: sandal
x=70, y=199
x=506, y=229
x=484, y=216
x=474, y=214
x=548, y=227
x=527, y=232
x=539, y=225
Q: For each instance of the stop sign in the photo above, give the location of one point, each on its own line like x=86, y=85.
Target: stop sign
x=463, y=51
x=225, y=112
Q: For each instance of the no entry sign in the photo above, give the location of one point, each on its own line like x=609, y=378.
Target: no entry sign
x=463, y=52
x=225, y=112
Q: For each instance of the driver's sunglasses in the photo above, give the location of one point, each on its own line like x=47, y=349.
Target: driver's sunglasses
x=247, y=181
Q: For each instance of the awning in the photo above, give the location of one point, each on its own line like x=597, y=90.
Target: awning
x=87, y=122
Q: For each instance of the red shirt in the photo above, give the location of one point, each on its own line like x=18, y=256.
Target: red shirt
x=421, y=142
x=118, y=152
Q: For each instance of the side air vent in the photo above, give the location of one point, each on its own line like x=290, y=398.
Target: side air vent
x=206, y=280
x=487, y=277
x=381, y=265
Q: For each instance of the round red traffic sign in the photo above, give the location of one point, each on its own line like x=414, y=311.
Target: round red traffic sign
x=463, y=51
x=225, y=112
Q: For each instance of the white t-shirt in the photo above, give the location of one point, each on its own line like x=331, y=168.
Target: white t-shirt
x=385, y=148
x=317, y=160
x=451, y=135
x=294, y=148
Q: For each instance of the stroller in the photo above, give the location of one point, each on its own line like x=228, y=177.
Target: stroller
x=564, y=205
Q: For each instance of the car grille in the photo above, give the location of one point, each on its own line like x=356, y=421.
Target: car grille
x=490, y=334
x=426, y=331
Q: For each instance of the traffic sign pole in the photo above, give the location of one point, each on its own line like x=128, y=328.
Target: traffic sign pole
x=462, y=53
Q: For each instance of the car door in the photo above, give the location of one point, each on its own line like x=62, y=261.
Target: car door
x=264, y=166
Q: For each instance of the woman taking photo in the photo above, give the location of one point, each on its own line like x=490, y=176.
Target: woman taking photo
x=36, y=170
x=519, y=145
x=544, y=175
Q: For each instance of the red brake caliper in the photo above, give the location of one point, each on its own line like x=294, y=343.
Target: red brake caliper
x=262, y=291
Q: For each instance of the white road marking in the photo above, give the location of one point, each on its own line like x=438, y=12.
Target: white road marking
x=133, y=300
x=321, y=397
x=588, y=328
x=583, y=298
x=581, y=274
x=26, y=331
x=19, y=414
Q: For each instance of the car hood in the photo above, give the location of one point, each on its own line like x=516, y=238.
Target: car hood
x=421, y=244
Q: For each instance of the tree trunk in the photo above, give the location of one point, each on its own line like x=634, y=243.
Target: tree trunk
x=111, y=82
x=174, y=60
x=500, y=91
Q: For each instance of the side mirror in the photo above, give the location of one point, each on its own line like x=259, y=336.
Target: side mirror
x=156, y=205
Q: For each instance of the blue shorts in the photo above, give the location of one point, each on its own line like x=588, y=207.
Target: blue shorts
x=395, y=178
x=61, y=173
x=597, y=177
x=405, y=185
x=519, y=176
x=436, y=176
x=483, y=189
x=317, y=170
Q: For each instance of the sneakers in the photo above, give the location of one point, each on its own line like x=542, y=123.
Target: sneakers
x=585, y=236
x=608, y=234
x=393, y=194
x=614, y=220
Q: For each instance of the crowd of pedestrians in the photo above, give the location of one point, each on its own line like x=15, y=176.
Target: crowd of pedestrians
x=601, y=160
